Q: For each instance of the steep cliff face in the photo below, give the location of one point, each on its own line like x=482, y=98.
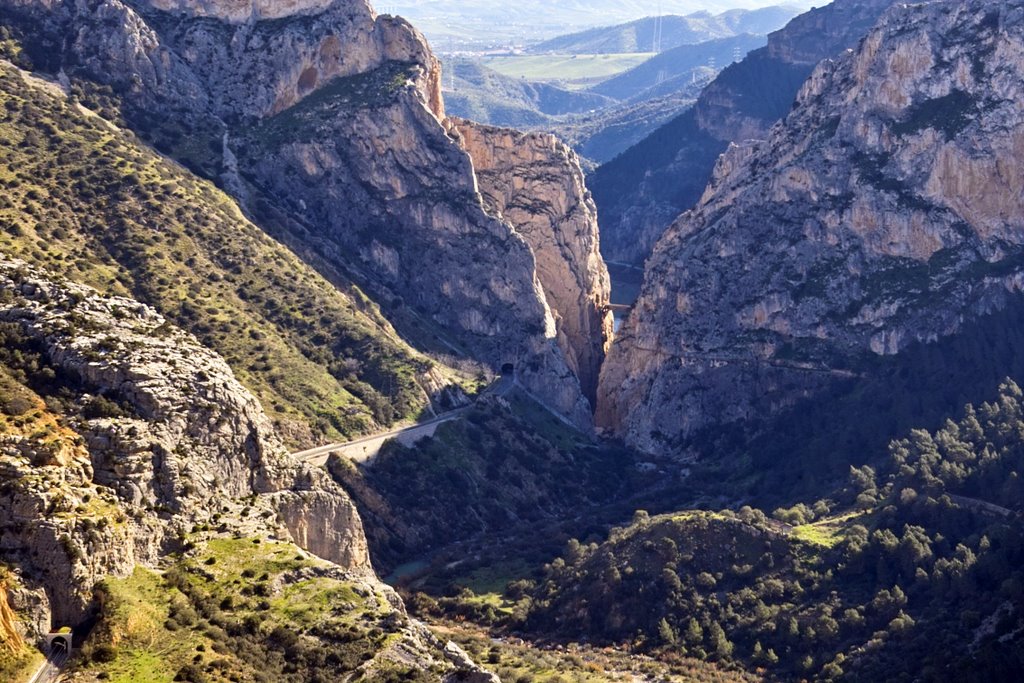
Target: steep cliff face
x=333, y=117
x=885, y=210
x=641, y=192
x=242, y=11
x=535, y=182
x=253, y=67
x=143, y=434
x=396, y=200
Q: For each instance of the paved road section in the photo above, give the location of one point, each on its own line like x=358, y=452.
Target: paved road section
x=49, y=672
x=366, y=448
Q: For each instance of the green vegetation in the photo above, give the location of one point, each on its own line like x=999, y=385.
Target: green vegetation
x=949, y=115
x=520, y=662
x=807, y=451
x=301, y=122
x=826, y=533
x=242, y=609
x=17, y=666
x=569, y=68
x=913, y=573
x=493, y=471
x=88, y=201
x=25, y=379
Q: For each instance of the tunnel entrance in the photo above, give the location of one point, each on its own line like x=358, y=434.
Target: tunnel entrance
x=508, y=369
x=59, y=643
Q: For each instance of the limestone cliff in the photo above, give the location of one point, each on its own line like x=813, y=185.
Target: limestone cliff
x=640, y=193
x=884, y=210
x=255, y=67
x=335, y=120
x=535, y=182
x=151, y=436
x=241, y=11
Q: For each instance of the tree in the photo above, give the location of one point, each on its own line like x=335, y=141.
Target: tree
x=694, y=633
x=666, y=634
x=718, y=641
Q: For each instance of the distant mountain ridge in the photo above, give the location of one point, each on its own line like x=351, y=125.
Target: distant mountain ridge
x=668, y=72
x=699, y=27
x=439, y=18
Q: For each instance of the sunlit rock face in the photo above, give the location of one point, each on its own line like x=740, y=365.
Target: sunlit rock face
x=194, y=445
x=886, y=209
x=536, y=183
x=334, y=115
x=643, y=192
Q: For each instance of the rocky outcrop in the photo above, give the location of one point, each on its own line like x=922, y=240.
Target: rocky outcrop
x=242, y=11
x=884, y=211
x=336, y=121
x=536, y=183
x=175, y=442
x=641, y=192
x=259, y=68
x=396, y=200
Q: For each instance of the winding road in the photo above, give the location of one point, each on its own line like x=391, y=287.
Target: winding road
x=366, y=448
x=49, y=671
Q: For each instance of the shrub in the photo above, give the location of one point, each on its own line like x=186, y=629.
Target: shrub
x=104, y=654
x=15, y=405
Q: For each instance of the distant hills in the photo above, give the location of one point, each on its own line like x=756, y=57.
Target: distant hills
x=672, y=70
x=699, y=27
x=608, y=117
x=597, y=126
x=484, y=95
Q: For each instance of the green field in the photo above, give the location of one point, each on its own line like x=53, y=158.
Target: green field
x=568, y=68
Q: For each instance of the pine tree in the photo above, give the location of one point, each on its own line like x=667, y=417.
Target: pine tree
x=666, y=633
x=694, y=633
x=719, y=643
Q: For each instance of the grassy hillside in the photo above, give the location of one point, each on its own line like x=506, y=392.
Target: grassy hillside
x=520, y=662
x=234, y=609
x=89, y=201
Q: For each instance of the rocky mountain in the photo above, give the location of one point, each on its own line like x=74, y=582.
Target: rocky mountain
x=698, y=27
x=305, y=121
x=347, y=266
x=602, y=135
x=122, y=433
x=642, y=191
x=881, y=213
x=536, y=182
x=313, y=349
x=126, y=446
x=495, y=24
